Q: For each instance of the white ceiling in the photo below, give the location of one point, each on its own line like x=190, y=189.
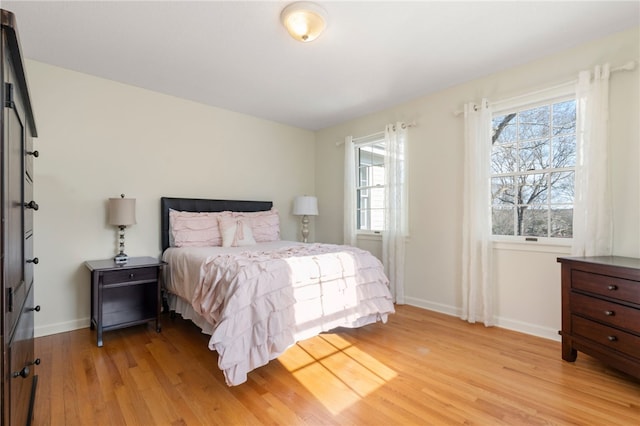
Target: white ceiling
x=236, y=55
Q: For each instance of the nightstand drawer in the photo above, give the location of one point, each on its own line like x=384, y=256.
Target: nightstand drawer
x=130, y=275
x=606, y=312
x=616, y=288
x=610, y=337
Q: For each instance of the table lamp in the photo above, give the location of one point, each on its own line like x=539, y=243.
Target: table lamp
x=305, y=206
x=122, y=213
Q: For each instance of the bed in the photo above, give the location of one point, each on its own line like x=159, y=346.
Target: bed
x=255, y=294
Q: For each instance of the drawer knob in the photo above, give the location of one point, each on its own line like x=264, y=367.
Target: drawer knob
x=612, y=338
x=24, y=373
x=37, y=308
x=609, y=313
x=34, y=153
x=35, y=260
x=612, y=287
x=31, y=205
x=131, y=275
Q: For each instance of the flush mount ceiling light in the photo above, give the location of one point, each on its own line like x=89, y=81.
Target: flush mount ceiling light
x=304, y=20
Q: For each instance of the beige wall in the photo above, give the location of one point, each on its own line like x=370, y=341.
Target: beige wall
x=527, y=295
x=99, y=138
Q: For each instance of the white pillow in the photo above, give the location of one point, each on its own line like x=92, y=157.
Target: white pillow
x=194, y=229
x=236, y=232
x=265, y=225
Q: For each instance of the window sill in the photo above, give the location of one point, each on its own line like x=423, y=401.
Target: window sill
x=532, y=246
x=372, y=236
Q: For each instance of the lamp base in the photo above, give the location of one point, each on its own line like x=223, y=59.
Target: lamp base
x=305, y=228
x=121, y=259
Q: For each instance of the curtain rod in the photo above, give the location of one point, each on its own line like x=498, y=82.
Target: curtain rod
x=359, y=138
x=629, y=66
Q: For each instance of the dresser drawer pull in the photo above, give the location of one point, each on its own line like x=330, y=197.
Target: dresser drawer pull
x=34, y=153
x=24, y=373
x=612, y=338
x=35, y=260
x=37, y=308
x=31, y=205
x=609, y=313
x=131, y=276
x=612, y=287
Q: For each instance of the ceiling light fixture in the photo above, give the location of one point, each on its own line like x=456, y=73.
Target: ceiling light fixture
x=304, y=20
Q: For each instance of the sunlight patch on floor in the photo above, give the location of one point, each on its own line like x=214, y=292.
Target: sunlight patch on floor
x=337, y=373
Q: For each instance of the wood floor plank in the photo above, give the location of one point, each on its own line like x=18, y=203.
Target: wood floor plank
x=420, y=368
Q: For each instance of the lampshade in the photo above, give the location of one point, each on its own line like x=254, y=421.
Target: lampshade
x=305, y=205
x=304, y=20
x=122, y=211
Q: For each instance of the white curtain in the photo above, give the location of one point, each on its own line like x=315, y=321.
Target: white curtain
x=477, y=288
x=592, y=216
x=349, y=192
x=396, y=217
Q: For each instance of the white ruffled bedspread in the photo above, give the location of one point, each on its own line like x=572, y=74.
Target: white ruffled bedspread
x=262, y=302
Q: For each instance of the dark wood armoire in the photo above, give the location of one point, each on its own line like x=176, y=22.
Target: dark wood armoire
x=17, y=128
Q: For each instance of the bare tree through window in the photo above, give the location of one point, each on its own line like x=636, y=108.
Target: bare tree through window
x=533, y=158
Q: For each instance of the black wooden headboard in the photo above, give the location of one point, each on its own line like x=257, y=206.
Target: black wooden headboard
x=203, y=205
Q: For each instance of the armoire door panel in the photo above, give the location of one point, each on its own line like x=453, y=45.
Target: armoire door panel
x=22, y=364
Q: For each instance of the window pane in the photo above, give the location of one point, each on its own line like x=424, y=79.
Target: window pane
x=564, y=151
x=562, y=188
x=363, y=219
x=564, y=118
x=562, y=222
x=534, y=155
x=503, y=159
x=363, y=199
x=377, y=175
x=502, y=191
x=364, y=156
x=364, y=176
x=377, y=198
x=502, y=220
x=377, y=154
x=377, y=220
x=534, y=221
x=532, y=189
x=504, y=129
x=534, y=123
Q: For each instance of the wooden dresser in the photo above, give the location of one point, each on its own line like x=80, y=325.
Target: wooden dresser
x=16, y=232
x=601, y=310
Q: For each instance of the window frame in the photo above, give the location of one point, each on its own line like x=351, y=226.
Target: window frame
x=517, y=104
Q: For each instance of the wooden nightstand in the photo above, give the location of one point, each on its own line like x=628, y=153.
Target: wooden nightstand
x=124, y=295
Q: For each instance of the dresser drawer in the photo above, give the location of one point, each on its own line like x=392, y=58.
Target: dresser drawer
x=606, y=312
x=610, y=337
x=129, y=275
x=617, y=288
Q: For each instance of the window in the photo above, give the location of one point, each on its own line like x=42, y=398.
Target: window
x=533, y=156
x=370, y=203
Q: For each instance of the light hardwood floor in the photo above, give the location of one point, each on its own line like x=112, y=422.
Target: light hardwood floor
x=419, y=368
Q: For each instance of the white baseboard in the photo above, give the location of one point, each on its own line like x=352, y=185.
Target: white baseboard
x=432, y=306
x=61, y=327
x=509, y=324
x=528, y=328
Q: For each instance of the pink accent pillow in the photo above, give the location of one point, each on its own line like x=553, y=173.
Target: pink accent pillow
x=235, y=232
x=191, y=229
x=265, y=225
